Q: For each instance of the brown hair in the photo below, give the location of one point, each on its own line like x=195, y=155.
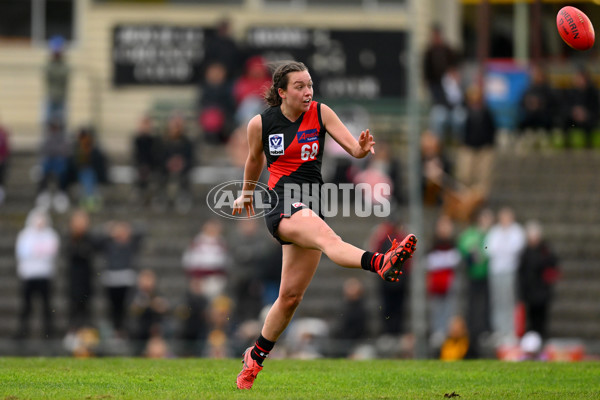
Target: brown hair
x=280, y=80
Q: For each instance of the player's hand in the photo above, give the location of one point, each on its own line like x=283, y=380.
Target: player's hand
x=366, y=142
x=244, y=202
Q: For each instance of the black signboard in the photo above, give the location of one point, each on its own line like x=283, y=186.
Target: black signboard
x=359, y=64
x=157, y=54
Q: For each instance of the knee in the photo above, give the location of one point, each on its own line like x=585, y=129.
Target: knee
x=290, y=301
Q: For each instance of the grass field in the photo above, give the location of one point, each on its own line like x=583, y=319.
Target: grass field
x=105, y=378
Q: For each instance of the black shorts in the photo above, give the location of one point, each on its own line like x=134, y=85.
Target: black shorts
x=278, y=211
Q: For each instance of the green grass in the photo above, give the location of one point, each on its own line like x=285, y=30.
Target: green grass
x=108, y=378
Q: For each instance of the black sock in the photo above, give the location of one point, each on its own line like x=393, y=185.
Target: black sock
x=371, y=261
x=261, y=349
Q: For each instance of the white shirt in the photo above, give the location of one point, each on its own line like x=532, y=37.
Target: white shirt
x=504, y=245
x=36, y=251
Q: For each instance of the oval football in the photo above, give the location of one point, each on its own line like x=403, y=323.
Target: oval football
x=575, y=28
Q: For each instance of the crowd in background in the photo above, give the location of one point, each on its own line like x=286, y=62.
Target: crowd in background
x=476, y=278
x=482, y=266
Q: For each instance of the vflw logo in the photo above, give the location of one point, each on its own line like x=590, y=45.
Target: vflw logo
x=276, y=144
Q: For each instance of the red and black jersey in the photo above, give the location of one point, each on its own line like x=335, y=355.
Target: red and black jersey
x=294, y=150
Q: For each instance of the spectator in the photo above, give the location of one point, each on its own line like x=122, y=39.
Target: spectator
x=4, y=153
x=538, y=271
x=207, y=258
x=177, y=160
x=55, y=160
x=193, y=315
x=448, y=112
x=148, y=310
x=442, y=260
x=475, y=158
x=36, y=251
x=393, y=294
x=237, y=148
x=582, y=105
x=531, y=347
x=353, y=322
x=307, y=338
x=217, y=344
x=538, y=105
x=249, y=89
x=157, y=348
x=88, y=167
x=144, y=157
x=119, y=249
x=439, y=57
x=271, y=273
x=341, y=166
x=382, y=169
x=83, y=343
x=80, y=249
x=472, y=244
x=457, y=345
x=222, y=48
x=56, y=79
x=217, y=105
x=248, y=256
x=435, y=168
x=505, y=242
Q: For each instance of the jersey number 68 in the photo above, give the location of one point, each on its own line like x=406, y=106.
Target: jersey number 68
x=306, y=152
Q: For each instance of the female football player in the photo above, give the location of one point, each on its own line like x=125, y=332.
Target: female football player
x=291, y=134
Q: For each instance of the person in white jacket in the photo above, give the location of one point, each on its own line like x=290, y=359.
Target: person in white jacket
x=37, y=248
x=504, y=244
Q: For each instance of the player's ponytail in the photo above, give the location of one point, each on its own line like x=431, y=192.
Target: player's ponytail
x=280, y=80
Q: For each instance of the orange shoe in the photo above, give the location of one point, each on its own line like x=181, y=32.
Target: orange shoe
x=251, y=368
x=394, y=258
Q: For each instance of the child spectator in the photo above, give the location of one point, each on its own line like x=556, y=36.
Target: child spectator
x=457, y=345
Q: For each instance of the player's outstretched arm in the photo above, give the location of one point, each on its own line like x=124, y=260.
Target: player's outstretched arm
x=342, y=135
x=254, y=166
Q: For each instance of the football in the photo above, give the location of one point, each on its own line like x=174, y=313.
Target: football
x=575, y=28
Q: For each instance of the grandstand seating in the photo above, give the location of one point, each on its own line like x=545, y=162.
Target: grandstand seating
x=559, y=189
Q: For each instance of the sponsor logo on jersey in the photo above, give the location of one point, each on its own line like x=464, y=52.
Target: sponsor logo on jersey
x=276, y=144
x=308, y=136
